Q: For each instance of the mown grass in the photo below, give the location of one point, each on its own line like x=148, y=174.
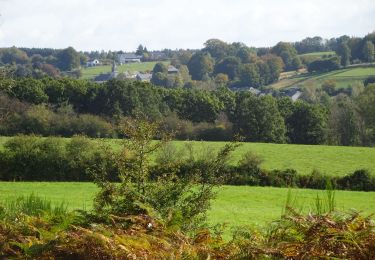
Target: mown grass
x=317, y=54
x=330, y=160
x=234, y=206
x=91, y=72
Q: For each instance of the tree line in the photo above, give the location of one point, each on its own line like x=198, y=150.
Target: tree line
x=67, y=106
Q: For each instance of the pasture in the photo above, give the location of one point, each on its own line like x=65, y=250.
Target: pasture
x=330, y=160
x=91, y=72
x=344, y=78
x=234, y=206
x=317, y=54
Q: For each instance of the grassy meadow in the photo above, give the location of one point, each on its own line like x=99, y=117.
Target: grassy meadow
x=317, y=54
x=242, y=205
x=343, y=78
x=91, y=72
x=330, y=160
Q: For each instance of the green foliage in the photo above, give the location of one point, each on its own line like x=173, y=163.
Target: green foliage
x=307, y=123
x=29, y=158
x=200, y=65
x=199, y=106
x=369, y=51
x=345, y=54
x=258, y=119
x=324, y=65
x=228, y=66
x=289, y=55
x=366, y=103
x=249, y=75
x=31, y=205
x=68, y=59
x=180, y=201
x=344, y=125
x=160, y=67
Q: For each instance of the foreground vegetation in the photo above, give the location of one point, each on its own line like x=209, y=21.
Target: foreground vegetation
x=234, y=205
x=163, y=213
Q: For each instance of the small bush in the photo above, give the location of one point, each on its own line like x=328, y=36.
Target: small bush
x=360, y=180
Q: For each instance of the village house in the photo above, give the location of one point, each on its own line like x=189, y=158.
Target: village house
x=172, y=69
x=144, y=77
x=129, y=58
x=93, y=63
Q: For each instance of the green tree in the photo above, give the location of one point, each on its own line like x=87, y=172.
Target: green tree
x=275, y=65
x=13, y=55
x=258, y=119
x=159, y=79
x=216, y=48
x=345, y=53
x=140, y=50
x=68, y=59
x=200, y=65
x=344, y=127
x=160, y=67
x=229, y=66
x=199, y=106
x=249, y=75
x=29, y=90
x=176, y=200
x=307, y=124
x=366, y=104
x=368, y=51
x=289, y=55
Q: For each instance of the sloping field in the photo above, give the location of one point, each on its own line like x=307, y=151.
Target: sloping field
x=344, y=78
x=89, y=73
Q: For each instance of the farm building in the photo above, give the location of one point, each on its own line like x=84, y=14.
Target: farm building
x=129, y=58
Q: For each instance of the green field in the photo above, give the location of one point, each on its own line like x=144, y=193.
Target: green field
x=331, y=160
x=317, y=54
x=234, y=205
x=344, y=78
x=89, y=73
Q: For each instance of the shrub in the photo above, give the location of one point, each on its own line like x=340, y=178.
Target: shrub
x=31, y=158
x=283, y=178
x=360, y=180
x=316, y=180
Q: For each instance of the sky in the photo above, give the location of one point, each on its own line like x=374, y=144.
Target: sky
x=175, y=24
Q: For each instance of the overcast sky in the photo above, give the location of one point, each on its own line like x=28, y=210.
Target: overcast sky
x=123, y=24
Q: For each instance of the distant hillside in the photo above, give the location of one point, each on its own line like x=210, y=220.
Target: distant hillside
x=343, y=78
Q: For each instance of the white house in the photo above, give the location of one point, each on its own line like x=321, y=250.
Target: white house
x=145, y=77
x=93, y=63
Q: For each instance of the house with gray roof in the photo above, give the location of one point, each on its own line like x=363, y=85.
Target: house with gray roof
x=172, y=70
x=144, y=77
x=129, y=58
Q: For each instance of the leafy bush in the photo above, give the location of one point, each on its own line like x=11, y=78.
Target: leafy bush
x=360, y=180
x=31, y=158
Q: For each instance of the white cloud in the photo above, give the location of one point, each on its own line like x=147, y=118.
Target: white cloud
x=123, y=24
